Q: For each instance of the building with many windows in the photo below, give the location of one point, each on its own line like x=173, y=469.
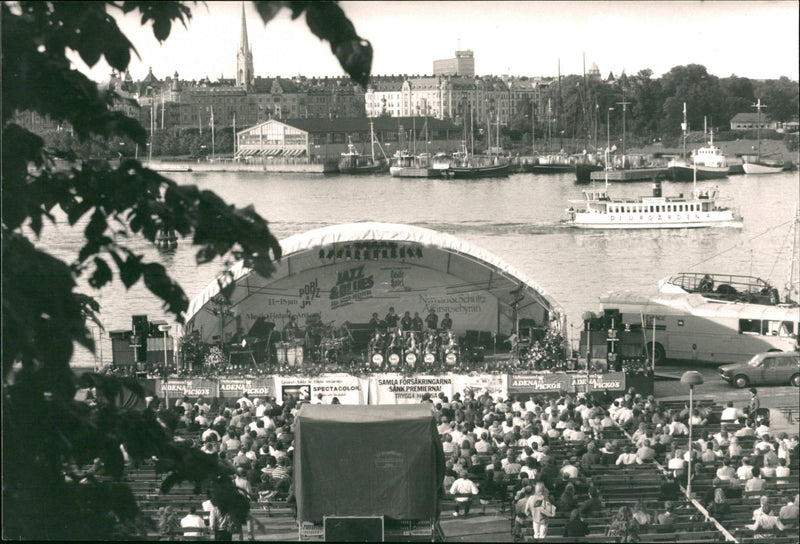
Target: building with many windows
x=455, y=98
x=462, y=65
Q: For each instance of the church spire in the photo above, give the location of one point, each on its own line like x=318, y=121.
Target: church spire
x=244, y=57
x=244, y=44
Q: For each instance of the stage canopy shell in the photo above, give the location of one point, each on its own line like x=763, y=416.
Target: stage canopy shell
x=348, y=272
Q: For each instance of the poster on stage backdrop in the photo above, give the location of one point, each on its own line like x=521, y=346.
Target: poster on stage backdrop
x=353, y=290
x=192, y=388
x=538, y=383
x=548, y=383
x=613, y=381
x=254, y=387
x=398, y=389
x=495, y=384
x=348, y=389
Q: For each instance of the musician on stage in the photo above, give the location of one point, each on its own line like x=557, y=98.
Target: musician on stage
x=416, y=323
x=432, y=321
x=406, y=322
x=447, y=323
x=391, y=319
x=291, y=330
x=376, y=323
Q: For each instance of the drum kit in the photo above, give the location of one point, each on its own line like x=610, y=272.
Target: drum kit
x=413, y=349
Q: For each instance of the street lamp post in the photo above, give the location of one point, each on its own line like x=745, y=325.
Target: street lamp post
x=690, y=378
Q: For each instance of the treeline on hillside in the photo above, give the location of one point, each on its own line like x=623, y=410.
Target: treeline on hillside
x=655, y=105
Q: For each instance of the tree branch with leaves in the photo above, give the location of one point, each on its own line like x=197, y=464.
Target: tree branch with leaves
x=45, y=430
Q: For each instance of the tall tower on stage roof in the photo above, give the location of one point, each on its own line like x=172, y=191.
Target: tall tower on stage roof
x=244, y=57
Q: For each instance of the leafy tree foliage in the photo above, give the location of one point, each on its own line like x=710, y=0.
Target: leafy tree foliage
x=47, y=434
x=656, y=104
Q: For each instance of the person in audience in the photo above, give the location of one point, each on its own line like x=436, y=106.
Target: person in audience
x=575, y=527
x=726, y=471
x=590, y=458
x=534, y=509
x=730, y=413
x=766, y=522
x=748, y=429
x=193, y=521
x=520, y=509
x=490, y=490
x=756, y=483
x=627, y=457
x=745, y=470
x=645, y=453
x=753, y=405
x=570, y=469
x=782, y=471
x=666, y=519
x=592, y=505
x=719, y=507
x=670, y=489
x=221, y=524
x=790, y=512
x=463, y=489
x=763, y=502
x=641, y=515
x=623, y=527
x=567, y=501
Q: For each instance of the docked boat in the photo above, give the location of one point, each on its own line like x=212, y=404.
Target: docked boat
x=549, y=164
x=464, y=166
x=407, y=165
x=759, y=164
x=722, y=287
x=709, y=162
x=352, y=162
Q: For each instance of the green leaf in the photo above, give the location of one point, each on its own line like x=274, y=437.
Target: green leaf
x=102, y=274
x=268, y=10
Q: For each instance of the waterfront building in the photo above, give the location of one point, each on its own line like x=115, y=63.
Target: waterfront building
x=321, y=139
x=750, y=120
x=442, y=97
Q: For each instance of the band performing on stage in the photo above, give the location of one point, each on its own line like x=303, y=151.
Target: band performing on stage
x=389, y=342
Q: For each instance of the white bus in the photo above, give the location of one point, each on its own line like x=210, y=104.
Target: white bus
x=690, y=327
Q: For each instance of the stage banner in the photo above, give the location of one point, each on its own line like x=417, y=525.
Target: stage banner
x=539, y=383
x=613, y=381
x=173, y=388
x=348, y=389
x=560, y=381
x=398, y=389
x=495, y=384
x=254, y=387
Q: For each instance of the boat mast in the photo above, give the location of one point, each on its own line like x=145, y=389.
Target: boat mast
x=489, y=134
x=372, y=140
x=792, y=287
x=684, y=127
x=533, y=127
x=758, y=107
x=624, y=105
x=471, y=134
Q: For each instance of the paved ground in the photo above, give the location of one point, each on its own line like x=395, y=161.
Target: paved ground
x=715, y=388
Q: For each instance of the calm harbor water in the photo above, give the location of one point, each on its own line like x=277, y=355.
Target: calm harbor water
x=517, y=218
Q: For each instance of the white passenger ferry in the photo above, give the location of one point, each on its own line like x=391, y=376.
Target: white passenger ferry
x=599, y=211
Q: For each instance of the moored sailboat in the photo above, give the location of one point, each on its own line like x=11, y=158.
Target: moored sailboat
x=761, y=164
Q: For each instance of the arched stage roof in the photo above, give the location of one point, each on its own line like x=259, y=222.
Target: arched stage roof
x=347, y=272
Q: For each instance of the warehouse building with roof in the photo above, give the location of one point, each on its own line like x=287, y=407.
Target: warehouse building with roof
x=318, y=140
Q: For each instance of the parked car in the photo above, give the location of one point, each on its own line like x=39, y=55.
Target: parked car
x=764, y=368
